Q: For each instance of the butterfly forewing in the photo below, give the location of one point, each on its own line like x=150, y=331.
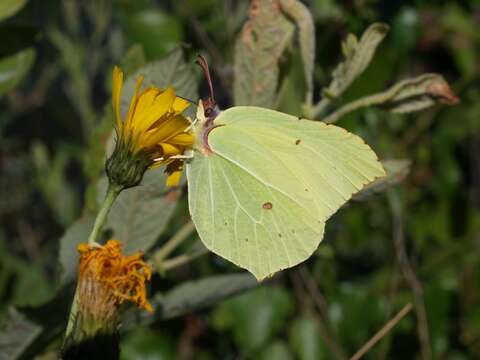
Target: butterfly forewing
x=262, y=198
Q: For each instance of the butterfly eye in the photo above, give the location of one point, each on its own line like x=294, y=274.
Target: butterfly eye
x=208, y=112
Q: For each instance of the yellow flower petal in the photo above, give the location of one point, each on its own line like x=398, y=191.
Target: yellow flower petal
x=165, y=130
x=185, y=139
x=152, y=105
x=174, y=171
x=116, y=94
x=169, y=150
x=173, y=179
x=133, y=105
x=180, y=104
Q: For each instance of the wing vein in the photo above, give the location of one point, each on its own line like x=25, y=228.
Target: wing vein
x=212, y=201
x=267, y=184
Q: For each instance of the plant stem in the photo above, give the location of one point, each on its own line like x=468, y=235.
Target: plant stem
x=410, y=275
x=174, y=241
x=112, y=193
x=180, y=260
x=382, y=332
x=319, y=108
x=363, y=102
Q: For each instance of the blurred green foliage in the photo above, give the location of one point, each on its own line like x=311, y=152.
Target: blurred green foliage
x=56, y=121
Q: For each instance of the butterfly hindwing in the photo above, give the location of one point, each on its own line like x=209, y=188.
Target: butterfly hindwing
x=246, y=221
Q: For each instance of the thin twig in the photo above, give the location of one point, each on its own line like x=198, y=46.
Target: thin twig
x=181, y=235
x=183, y=259
x=314, y=291
x=299, y=290
x=321, y=318
x=371, y=100
x=410, y=275
x=382, y=332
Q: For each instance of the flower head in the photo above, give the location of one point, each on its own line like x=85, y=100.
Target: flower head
x=106, y=279
x=154, y=132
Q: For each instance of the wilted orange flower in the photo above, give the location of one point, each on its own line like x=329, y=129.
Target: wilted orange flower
x=107, y=278
x=153, y=133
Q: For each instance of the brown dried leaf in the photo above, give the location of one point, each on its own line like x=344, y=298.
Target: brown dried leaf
x=258, y=49
x=419, y=93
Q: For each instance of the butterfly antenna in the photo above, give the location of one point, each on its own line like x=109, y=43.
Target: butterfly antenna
x=204, y=65
x=187, y=99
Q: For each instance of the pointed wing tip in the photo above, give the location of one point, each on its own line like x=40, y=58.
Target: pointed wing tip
x=381, y=170
x=261, y=277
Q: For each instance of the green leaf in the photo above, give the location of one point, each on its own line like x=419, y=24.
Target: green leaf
x=145, y=344
x=170, y=70
x=134, y=59
x=13, y=69
x=254, y=317
x=24, y=282
x=16, y=334
x=396, y=171
x=419, y=93
x=32, y=286
x=258, y=49
x=51, y=182
x=438, y=302
x=10, y=7
x=291, y=94
x=277, y=350
x=194, y=295
x=191, y=296
x=140, y=214
x=304, y=20
x=358, y=54
x=356, y=304
x=306, y=339
x=157, y=31
x=68, y=256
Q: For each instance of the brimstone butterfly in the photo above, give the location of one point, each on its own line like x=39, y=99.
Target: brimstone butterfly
x=262, y=184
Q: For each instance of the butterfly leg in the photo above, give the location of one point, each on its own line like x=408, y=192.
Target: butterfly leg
x=184, y=157
x=189, y=156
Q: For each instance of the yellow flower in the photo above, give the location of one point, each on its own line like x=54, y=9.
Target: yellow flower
x=153, y=133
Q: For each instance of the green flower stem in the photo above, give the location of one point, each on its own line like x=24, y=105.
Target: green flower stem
x=112, y=192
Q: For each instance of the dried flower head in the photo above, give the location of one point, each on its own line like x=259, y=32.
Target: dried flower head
x=107, y=278
x=153, y=133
